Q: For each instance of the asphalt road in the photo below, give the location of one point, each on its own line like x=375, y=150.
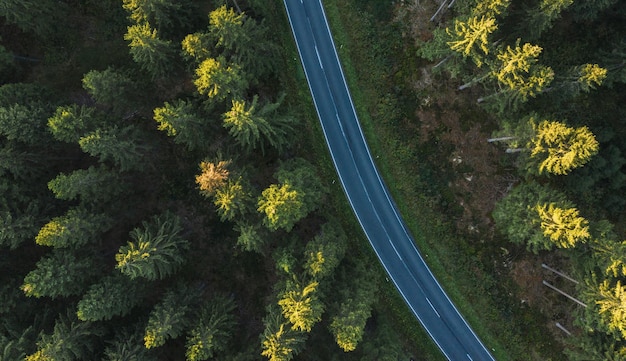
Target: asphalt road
x=366, y=192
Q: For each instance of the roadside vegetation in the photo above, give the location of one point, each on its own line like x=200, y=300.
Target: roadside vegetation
x=497, y=126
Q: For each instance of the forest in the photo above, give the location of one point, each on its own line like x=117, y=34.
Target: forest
x=159, y=197
x=543, y=83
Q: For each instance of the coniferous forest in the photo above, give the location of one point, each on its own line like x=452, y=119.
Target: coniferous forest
x=164, y=196
x=157, y=202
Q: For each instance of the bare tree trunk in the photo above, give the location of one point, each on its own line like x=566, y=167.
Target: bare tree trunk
x=443, y=3
x=442, y=62
x=564, y=294
x=237, y=6
x=491, y=140
x=514, y=150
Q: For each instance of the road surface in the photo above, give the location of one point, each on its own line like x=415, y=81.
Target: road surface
x=366, y=192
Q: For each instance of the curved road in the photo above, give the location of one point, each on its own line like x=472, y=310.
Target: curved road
x=368, y=196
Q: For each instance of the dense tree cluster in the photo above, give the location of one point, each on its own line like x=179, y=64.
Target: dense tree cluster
x=108, y=249
x=555, y=83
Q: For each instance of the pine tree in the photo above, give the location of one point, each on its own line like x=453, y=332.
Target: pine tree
x=253, y=126
x=114, y=295
x=121, y=146
x=213, y=176
x=25, y=123
x=541, y=17
x=161, y=13
x=282, y=206
x=181, y=120
x=563, y=226
x=171, y=316
x=92, y=185
x=74, y=229
x=70, y=340
x=219, y=80
x=558, y=148
x=128, y=346
x=59, y=274
x=233, y=200
x=19, y=226
x=280, y=342
x=153, y=54
x=612, y=307
x=325, y=251
x=197, y=46
x=518, y=69
x=301, y=305
x=213, y=328
x=472, y=35
x=156, y=249
x=70, y=122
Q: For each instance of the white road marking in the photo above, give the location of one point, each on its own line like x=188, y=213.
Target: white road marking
x=433, y=307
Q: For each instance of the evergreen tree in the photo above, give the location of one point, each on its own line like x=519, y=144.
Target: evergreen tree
x=301, y=305
x=181, y=120
x=282, y=206
x=170, y=317
x=149, y=51
x=254, y=126
x=612, y=307
x=70, y=122
x=213, y=176
x=516, y=217
x=74, y=229
x=518, y=70
x=325, y=251
x=70, y=340
x=92, y=185
x=213, y=328
x=233, y=200
x=128, y=346
x=112, y=88
x=60, y=274
x=354, y=307
x=302, y=175
x=197, y=46
x=472, y=35
x=156, y=249
x=280, y=342
x=114, y=295
x=121, y=146
x=250, y=236
x=558, y=148
x=161, y=13
x=542, y=16
x=219, y=80
x=563, y=226
x=35, y=16
x=25, y=123
x=19, y=226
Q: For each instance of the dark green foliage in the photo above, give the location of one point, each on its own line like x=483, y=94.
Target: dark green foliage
x=256, y=125
x=516, y=217
x=171, y=317
x=70, y=340
x=156, y=250
x=37, y=16
x=279, y=342
x=25, y=123
x=128, y=346
x=74, y=229
x=70, y=122
x=152, y=53
x=325, y=251
x=181, y=120
x=212, y=329
x=251, y=237
x=91, y=185
x=60, y=274
x=17, y=227
x=121, y=146
x=354, y=307
x=111, y=88
x=114, y=295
